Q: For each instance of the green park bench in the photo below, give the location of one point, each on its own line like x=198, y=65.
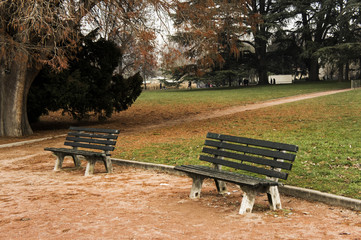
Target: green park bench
x=258, y=164
x=94, y=144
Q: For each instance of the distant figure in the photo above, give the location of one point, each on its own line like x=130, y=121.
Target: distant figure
x=274, y=81
x=160, y=86
x=190, y=84
x=245, y=82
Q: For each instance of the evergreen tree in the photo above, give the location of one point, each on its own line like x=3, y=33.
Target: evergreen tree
x=87, y=87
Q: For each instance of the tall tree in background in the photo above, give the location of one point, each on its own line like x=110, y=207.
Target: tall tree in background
x=347, y=36
x=272, y=18
x=210, y=31
x=130, y=25
x=316, y=22
x=349, y=29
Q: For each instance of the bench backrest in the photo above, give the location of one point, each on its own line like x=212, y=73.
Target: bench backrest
x=92, y=138
x=252, y=155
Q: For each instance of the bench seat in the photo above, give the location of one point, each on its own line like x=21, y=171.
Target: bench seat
x=232, y=177
x=76, y=152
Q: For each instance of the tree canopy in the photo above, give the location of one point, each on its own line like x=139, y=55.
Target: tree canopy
x=209, y=31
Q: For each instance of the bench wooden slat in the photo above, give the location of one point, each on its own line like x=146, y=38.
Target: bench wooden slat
x=91, y=140
x=103, y=136
x=75, y=151
x=90, y=146
x=99, y=130
x=251, y=150
x=254, y=142
x=225, y=176
x=241, y=166
x=248, y=158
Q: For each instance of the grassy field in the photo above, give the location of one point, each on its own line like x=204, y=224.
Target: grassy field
x=225, y=97
x=326, y=129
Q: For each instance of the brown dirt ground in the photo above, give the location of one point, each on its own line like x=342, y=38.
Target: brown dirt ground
x=38, y=203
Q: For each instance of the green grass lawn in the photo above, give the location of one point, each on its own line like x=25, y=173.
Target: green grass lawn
x=224, y=97
x=326, y=129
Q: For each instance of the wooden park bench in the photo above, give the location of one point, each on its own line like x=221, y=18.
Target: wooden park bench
x=258, y=165
x=93, y=144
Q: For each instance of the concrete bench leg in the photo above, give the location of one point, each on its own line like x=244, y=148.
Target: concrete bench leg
x=58, y=161
x=248, y=199
x=108, y=165
x=76, y=160
x=274, y=198
x=196, y=187
x=90, y=166
x=221, y=186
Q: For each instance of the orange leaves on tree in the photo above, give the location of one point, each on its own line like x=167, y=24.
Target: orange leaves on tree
x=208, y=29
x=145, y=50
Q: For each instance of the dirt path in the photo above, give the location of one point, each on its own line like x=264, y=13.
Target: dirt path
x=38, y=203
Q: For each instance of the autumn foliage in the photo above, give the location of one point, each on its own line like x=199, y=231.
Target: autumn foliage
x=44, y=30
x=208, y=34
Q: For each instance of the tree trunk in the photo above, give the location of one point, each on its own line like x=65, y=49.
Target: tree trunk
x=15, y=83
x=261, y=46
x=347, y=71
x=261, y=54
x=311, y=62
x=313, y=70
x=262, y=73
x=359, y=74
x=340, y=72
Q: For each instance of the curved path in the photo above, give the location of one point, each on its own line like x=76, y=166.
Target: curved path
x=204, y=116
x=237, y=109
